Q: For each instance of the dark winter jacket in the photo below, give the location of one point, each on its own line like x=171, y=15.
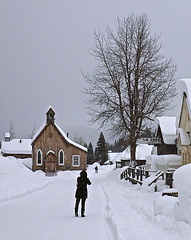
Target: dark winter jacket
x=82, y=181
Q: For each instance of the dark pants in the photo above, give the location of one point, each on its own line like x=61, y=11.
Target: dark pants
x=83, y=200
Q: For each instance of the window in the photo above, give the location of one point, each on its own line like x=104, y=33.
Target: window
x=61, y=157
x=39, y=157
x=76, y=160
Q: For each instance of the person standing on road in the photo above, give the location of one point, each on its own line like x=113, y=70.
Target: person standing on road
x=81, y=192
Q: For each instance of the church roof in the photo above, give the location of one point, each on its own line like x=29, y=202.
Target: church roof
x=61, y=132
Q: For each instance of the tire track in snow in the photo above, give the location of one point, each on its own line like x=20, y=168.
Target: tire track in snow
x=111, y=227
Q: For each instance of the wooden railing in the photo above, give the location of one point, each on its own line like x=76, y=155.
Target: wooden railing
x=137, y=175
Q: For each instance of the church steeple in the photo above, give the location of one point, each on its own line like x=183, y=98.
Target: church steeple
x=50, y=115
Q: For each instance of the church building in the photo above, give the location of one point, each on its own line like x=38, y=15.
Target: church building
x=53, y=151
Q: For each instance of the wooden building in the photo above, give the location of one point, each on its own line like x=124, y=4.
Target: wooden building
x=53, y=151
x=184, y=121
x=19, y=148
x=165, y=136
x=166, y=132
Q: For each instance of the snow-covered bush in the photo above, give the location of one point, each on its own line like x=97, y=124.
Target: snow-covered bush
x=182, y=178
x=165, y=206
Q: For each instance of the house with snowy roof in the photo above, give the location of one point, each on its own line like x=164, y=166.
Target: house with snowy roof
x=52, y=150
x=184, y=120
x=166, y=132
x=165, y=136
x=19, y=148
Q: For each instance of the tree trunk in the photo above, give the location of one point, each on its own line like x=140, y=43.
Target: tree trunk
x=132, y=154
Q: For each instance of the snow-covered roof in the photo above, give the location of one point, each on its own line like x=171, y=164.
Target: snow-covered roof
x=142, y=150
x=183, y=86
x=7, y=135
x=168, y=128
x=17, y=146
x=114, y=156
x=50, y=107
x=61, y=132
x=69, y=140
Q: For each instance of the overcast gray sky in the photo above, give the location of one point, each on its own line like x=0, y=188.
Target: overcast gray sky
x=44, y=45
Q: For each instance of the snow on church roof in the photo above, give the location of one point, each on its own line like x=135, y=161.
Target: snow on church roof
x=168, y=128
x=62, y=133
x=69, y=140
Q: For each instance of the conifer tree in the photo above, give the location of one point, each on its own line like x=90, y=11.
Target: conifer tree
x=101, y=152
x=90, y=154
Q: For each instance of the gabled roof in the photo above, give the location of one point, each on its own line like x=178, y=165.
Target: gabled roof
x=17, y=146
x=60, y=131
x=168, y=128
x=63, y=134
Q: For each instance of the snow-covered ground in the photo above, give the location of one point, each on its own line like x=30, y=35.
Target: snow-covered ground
x=33, y=206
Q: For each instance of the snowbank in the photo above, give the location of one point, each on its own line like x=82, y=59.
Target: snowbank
x=182, y=178
x=102, y=170
x=165, y=206
x=142, y=150
x=114, y=157
x=16, y=179
x=163, y=162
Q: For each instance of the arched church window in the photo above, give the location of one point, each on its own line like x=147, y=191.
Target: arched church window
x=61, y=157
x=39, y=157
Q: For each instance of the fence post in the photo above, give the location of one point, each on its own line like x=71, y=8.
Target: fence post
x=141, y=175
x=169, y=179
x=137, y=174
x=129, y=172
x=146, y=173
x=133, y=173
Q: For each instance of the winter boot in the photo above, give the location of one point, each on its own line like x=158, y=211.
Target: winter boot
x=76, y=211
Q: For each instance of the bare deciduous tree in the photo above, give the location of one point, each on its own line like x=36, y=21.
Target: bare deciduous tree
x=12, y=131
x=79, y=139
x=33, y=131
x=132, y=81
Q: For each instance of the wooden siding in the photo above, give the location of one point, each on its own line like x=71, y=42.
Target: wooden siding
x=51, y=139
x=184, y=117
x=184, y=123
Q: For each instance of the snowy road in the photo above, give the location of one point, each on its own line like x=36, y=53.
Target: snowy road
x=115, y=210
x=49, y=214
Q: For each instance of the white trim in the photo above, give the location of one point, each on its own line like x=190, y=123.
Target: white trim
x=73, y=160
x=39, y=164
x=50, y=151
x=59, y=157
